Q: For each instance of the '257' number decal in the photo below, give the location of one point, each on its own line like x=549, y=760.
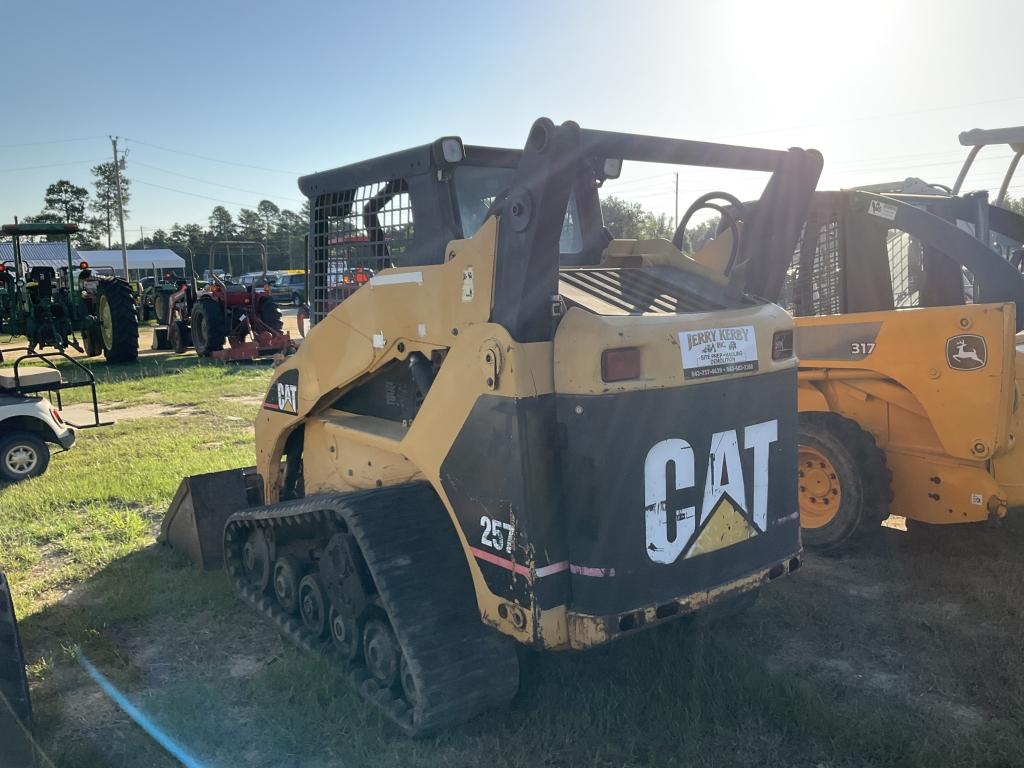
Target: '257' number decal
x=497, y=535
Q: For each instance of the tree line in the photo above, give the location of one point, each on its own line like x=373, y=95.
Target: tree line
x=280, y=230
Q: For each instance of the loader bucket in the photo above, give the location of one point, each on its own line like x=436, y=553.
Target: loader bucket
x=194, y=523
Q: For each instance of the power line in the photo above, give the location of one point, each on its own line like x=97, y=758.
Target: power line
x=212, y=159
x=55, y=141
x=216, y=184
x=190, y=194
x=50, y=165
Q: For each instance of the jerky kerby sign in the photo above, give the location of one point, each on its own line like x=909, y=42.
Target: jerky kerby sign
x=718, y=351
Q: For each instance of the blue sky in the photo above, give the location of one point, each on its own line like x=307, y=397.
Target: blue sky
x=882, y=89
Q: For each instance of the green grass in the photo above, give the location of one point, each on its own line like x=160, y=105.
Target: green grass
x=899, y=654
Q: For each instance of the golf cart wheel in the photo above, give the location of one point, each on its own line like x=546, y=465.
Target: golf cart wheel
x=92, y=341
x=118, y=323
x=209, y=326
x=162, y=308
x=22, y=455
x=178, y=336
x=270, y=314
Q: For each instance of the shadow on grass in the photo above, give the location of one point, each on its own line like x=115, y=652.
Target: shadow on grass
x=222, y=681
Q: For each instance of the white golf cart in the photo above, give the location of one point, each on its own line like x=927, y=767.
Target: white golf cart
x=29, y=422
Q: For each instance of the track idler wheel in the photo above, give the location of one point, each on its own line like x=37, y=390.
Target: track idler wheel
x=382, y=652
x=313, y=605
x=256, y=559
x=287, y=574
x=409, y=688
x=344, y=635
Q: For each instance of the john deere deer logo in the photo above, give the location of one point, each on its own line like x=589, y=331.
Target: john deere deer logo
x=966, y=352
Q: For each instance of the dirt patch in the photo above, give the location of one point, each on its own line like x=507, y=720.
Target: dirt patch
x=81, y=413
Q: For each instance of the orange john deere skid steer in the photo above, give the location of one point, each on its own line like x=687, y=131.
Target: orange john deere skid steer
x=909, y=395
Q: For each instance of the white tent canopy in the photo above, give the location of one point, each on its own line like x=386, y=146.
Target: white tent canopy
x=143, y=259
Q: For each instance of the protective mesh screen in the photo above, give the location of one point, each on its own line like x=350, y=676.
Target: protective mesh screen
x=356, y=233
x=813, y=284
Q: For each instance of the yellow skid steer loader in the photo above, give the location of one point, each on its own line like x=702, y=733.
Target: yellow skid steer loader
x=518, y=429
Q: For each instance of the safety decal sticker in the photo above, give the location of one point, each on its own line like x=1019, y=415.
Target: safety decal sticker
x=966, y=352
x=882, y=210
x=283, y=395
x=718, y=351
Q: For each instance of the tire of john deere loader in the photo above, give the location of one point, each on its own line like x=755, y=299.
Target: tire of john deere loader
x=119, y=325
x=162, y=308
x=270, y=314
x=832, y=490
x=15, y=706
x=209, y=327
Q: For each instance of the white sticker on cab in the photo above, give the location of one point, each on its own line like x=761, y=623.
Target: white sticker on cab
x=718, y=351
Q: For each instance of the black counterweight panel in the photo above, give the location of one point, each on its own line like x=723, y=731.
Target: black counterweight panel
x=501, y=477
x=624, y=451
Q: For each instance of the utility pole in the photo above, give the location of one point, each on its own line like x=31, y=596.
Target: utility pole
x=676, y=222
x=142, y=237
x=120, y=206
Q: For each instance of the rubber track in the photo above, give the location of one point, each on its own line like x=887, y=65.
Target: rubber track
x=15, y=749
x=461, y=666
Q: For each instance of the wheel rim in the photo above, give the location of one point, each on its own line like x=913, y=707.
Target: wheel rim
x=286, y=584
x=820, y=491
x=382, y=653
x=311, y=606
x=344, y=634
x=256, y=560
x=106, y=322
x=21, y=459
x=412, y=694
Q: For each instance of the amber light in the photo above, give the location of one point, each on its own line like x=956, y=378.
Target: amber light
x=782, y=345
x=620, y=364
x=361, y=276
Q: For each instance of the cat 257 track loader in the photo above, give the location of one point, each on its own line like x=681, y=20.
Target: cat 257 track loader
x=478, y=447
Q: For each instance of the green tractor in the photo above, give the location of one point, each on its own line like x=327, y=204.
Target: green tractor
x=50, y=306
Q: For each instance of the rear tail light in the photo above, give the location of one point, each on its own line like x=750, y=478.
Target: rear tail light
x=620, y=364
x=56, y=416
x=361, y=276
x=782, y=345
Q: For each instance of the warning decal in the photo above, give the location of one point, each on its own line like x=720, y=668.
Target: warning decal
x=718, y=351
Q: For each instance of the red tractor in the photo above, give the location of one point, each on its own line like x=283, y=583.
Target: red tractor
x=242, y=315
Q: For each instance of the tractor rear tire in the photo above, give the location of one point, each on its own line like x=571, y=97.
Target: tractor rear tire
x=92, y=341
x=844, y=484
x=22, y=455
x=270, y=314
x=162, y=308
x=209, y=326
x=118, y=323
x=178, y=336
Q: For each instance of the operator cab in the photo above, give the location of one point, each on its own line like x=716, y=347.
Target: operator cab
x=402, y=210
